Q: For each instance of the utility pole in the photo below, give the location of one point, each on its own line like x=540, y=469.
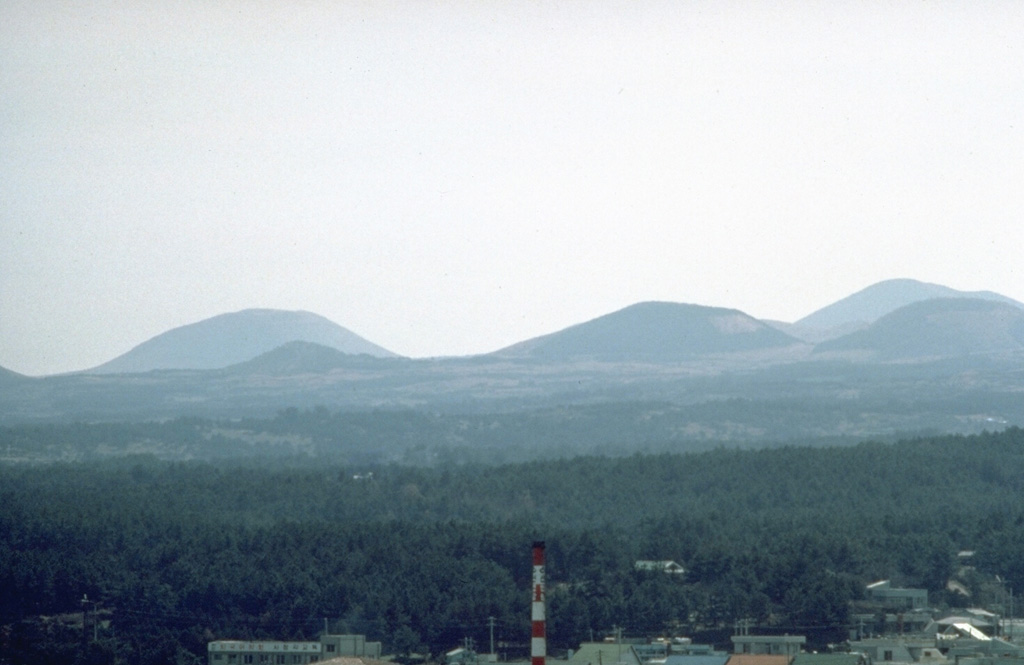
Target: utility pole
x=1007, y=622
x=85, y=619
x=1009, y=625
x=490, y=624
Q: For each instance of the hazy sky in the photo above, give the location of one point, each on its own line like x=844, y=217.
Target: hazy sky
x=446, y=178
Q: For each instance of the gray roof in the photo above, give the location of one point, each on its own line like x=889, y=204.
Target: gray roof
x=828, y=659
x=697, y=659
x=604, y=653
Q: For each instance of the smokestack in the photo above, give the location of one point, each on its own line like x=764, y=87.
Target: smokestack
x=538, y=641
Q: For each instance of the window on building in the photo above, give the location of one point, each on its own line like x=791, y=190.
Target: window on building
x=232, y=658
x=330, y=647
x=247, y=658
x=887, y=655
x=216, y=656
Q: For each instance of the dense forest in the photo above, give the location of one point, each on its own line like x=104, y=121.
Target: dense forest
x=172, y=554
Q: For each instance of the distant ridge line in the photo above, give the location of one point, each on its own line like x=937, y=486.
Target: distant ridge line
x=235, y=337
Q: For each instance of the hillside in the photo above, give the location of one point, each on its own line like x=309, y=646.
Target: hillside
x=10, y=377
x=653, y=332
x=233, y=338
x=759, y=384
x=299, y=357
x=938, y=328
x=868, y=305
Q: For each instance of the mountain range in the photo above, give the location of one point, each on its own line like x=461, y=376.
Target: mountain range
x=877, y=300
x=956, y=349
x=938, y=328
x=654, y=332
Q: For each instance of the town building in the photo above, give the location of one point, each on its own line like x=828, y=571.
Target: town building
x=665, y=566
x=262, y=652
x=971, y=623
x=271, y=652
x=890, y=597
x=759, y=659
x=709, y=658
x=805, y=658
x=897, y=649
x=773, y=645
x=350, y=645
x=605, y=653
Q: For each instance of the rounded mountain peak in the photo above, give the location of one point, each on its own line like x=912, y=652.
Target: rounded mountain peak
x=236, y=337
x=654, y=331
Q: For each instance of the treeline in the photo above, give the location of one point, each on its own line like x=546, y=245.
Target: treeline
x=179, y=553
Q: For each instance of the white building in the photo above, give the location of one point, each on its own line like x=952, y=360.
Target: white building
x=266, y=652
x=262, y=652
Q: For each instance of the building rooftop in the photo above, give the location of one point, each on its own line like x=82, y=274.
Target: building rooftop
x=828, y=659
x=758, y=659
x=605, y=653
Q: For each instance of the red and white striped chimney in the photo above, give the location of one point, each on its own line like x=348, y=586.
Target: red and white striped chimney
x=538, y=641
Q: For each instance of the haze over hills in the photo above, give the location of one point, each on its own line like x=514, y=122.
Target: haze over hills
x=938, y=328
x=233, y=338
x=860, y=309
x=644, y=332
x=940, y=363
x=653, y=332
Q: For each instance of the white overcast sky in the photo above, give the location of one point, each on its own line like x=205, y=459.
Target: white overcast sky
x=447, y=178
